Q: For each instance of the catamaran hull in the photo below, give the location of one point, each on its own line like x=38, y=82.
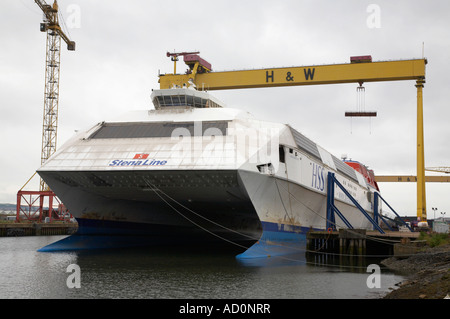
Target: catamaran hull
x=159, y=207
x=219, y=209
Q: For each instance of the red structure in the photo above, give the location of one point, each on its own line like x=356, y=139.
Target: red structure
x=360, y=114
x=30, y=206
x=367, y=173
x=190, y=58
x=361, y=59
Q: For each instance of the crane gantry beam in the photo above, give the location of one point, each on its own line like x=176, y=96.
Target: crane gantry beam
x=411, y=178
x=440, y=169
x=301, y=75
x=359, y=70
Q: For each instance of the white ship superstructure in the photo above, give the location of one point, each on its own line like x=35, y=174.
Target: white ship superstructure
x=192, y=171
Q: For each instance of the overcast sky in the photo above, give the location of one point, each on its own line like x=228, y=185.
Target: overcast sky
x=121, y=47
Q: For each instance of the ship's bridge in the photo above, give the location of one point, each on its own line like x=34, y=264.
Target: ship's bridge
x=183, y=97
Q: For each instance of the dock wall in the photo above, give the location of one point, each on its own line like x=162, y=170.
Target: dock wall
x=359, y=242
x=36, y=229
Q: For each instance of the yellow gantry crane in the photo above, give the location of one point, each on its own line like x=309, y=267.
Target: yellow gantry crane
x=51, y=92
x=360, y=69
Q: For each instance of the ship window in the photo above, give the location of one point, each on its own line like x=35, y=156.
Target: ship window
x=198, y=102
x=176, y=100
x=168, y=129
x=189, y=100
x=182, y=100
x=167, y=100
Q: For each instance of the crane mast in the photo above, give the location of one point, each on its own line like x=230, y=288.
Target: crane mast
x=51, y=26
x=28, y=210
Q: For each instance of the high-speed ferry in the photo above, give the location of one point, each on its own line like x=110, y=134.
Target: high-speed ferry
x=191, y=171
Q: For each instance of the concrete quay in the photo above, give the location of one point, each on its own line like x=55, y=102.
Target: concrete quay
x=37, y=229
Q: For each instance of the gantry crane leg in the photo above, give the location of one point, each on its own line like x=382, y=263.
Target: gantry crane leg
x=421, y=199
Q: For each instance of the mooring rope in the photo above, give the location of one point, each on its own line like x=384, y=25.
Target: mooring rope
x=155, y=189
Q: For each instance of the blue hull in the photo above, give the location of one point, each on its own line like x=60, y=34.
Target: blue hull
x=277, y=240
x=102, y=234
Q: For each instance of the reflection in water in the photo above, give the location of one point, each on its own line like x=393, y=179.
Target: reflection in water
x=357, y=264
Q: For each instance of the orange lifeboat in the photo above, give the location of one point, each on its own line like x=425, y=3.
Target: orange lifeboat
x=368, y=174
